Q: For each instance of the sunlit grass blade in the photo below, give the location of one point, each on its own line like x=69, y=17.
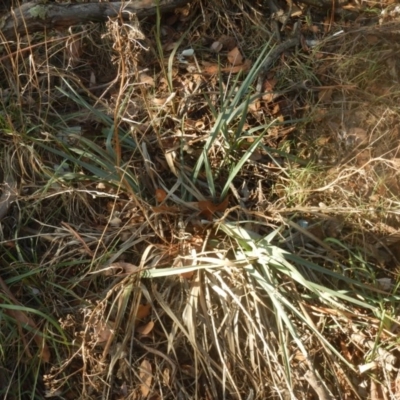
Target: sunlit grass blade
x=237, y=168
x=232, y=107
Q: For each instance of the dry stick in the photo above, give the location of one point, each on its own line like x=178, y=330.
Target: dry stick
x=274, y=9
x=324, y=3
x=272, y=57
x=288, y=15
x=35, y=16
x=319, y=388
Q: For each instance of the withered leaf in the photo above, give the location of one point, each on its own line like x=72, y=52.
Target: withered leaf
x=235, y=57
x=145, y=329
x=146, y=79
x=238, y=68
x=146, y=376
x=143, y=312
x=160, y=195
x=208, y=208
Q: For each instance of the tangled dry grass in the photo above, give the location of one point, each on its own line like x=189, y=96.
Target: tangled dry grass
x=168, y=232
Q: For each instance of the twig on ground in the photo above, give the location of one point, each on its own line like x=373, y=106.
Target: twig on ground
x=274, y=23
x=319, y=388
x=33, y=16
x=274, y=55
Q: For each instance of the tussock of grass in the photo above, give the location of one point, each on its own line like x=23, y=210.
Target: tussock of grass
x=188, y=238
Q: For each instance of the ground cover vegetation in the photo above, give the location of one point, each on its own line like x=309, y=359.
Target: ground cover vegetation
x=202, y=204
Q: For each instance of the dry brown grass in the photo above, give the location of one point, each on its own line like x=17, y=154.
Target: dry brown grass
x=137, y=272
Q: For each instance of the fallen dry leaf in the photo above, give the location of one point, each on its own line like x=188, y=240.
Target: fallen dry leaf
x=161, y=194
x=268, y=87
x=103, y=332
x=235, y=57
x=254, y=106
x=143, y=312
x=210, y=69
x=223, y=205
x=159, y=102
x=187, y=275
x=238, y=68
x=208, y=208
x=146, y=376
x=345, y=351
x=145, y=329
x=146, y=79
